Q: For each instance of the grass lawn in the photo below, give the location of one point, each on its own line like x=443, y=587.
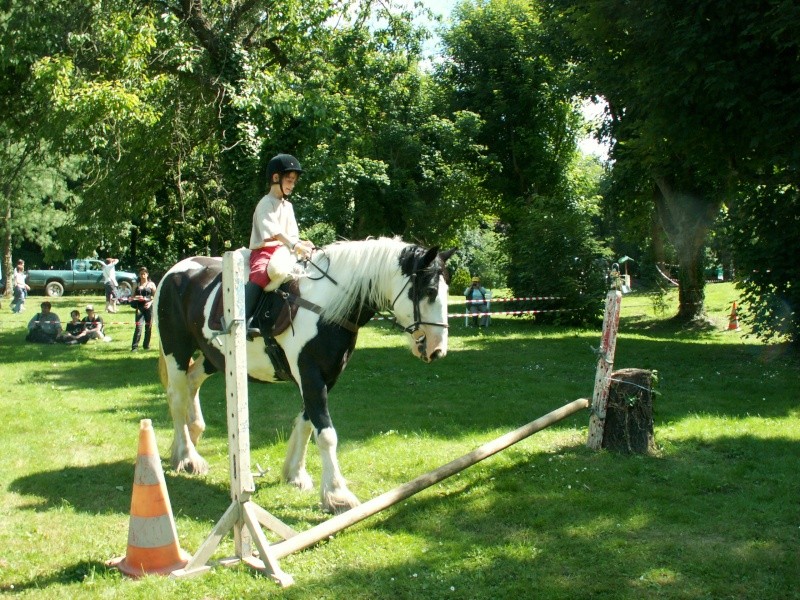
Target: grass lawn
x=715, y=514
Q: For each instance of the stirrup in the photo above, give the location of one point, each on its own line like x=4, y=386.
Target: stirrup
x=252, y=331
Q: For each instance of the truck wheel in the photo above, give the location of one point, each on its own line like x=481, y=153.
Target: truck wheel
x=54, y=289
x=125, y=289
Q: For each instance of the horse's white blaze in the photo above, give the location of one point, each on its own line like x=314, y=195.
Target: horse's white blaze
x=436, y=337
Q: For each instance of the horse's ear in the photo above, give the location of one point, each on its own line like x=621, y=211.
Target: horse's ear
x=429, y=257
x=445, y=256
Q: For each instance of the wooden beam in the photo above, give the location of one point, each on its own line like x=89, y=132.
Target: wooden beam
x=369, y=508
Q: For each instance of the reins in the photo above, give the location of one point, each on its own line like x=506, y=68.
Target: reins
x=350, y=326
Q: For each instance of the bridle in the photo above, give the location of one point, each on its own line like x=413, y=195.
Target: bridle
x=414, y=327
x=410, y=329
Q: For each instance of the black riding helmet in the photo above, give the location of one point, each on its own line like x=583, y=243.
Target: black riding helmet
x=282, y=163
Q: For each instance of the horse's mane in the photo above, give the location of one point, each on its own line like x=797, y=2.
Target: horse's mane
x=364, y=271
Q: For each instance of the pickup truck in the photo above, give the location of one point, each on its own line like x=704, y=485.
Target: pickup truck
x=79, y=274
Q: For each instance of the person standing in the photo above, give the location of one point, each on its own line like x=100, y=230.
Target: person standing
x=20, y=287
x=110, y=282
x=142, y=301
x=476, y=296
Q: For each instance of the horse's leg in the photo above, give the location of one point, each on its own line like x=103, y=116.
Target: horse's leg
x=196, y=375
x=294, y=467
x=184, y=454
x=334, y=494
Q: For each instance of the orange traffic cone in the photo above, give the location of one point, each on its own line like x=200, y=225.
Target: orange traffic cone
x=733, y=322
x=152, y=537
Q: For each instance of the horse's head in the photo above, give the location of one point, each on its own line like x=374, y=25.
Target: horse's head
x=420, y=308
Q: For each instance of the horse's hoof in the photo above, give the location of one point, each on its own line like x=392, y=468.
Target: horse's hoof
x=302, y=481
x=339, y=502
x=197, y=466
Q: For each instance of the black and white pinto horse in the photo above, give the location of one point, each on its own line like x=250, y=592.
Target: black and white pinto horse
x=361, y=278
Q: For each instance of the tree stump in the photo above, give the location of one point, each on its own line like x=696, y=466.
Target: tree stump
x=629, y=414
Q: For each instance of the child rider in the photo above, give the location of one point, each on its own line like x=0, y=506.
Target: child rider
x=275, y=227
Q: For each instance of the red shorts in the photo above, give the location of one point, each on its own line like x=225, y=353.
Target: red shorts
x=259, y=259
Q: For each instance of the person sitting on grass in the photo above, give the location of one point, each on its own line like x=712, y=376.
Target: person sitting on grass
x=93, y=325
x=44, y=327
x=73, y=331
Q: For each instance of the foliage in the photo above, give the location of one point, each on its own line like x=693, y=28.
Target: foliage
x=700, y=94
x=36, y=196
x=558, y=256
x=766, y=231
x=495, y=66
x=173, y=109
x=483, y=252
x=460, y=280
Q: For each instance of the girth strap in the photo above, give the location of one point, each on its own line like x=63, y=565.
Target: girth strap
x=303, y=303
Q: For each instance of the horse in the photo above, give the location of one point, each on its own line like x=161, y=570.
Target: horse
x=346, y=284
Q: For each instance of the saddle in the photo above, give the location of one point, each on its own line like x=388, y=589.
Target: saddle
x=273, y=315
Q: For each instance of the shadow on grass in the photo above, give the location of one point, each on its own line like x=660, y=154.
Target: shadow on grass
x=693, y=525
x=76, y=573
x=710, y=519
x=106, y=488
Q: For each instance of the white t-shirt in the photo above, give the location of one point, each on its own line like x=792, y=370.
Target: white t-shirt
x=273, y=216
x=18, y=278
x=110, y=274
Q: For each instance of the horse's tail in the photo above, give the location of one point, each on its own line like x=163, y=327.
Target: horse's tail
x=162, y=368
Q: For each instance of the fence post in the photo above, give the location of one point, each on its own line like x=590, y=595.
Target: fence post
x=605, y=363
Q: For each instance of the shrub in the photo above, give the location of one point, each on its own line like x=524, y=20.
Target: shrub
x=554, y=252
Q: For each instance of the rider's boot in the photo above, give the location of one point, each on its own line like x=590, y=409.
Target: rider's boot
x=252, y=298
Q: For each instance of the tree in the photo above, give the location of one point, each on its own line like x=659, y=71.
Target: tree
x=763, y=239
x=175, y=106
x=701, y=95
x=496, y=67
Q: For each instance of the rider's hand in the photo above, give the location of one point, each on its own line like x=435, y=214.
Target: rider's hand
x=303, y=249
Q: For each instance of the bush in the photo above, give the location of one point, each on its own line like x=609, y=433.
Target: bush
x=460, y=281
x=554, y=253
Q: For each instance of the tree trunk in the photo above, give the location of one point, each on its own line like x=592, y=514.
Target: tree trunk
x=628, y=426
x=7, y=246
x=686, y=218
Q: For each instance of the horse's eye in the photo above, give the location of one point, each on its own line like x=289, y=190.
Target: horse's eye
x=433, y=293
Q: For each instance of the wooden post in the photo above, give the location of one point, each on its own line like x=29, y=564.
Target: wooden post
x=605, y=363
x=629, y=413
x=243, y=516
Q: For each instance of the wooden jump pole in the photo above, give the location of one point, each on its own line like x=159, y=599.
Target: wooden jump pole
x=398, y=494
